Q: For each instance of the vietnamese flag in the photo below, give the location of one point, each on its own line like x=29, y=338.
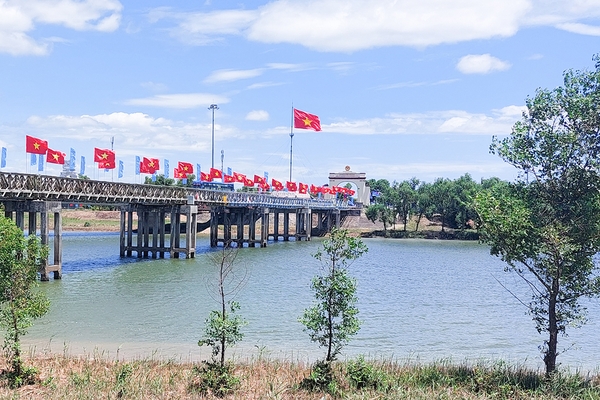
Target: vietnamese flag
x=350, y=192
x=264, y=186
x=108, y=164
x=185, y=167
x=228, y=179
x=241, y=178
x=101, y=155
x=248, y=182
x=304, y=120
x=215, y=173
x=315, y=189
x=276, y=185
x=55, y=157
x=302, y=188
x=259, y=179
x=205, y=177
x=177, y=174
x=35, y=146
x=291, y=186
x=149, y=165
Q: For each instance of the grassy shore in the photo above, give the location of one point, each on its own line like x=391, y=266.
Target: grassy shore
x=95, y=377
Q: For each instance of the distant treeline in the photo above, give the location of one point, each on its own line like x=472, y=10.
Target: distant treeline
x=449, y=200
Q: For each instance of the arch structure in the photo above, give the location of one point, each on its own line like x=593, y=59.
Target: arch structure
x=363, y=191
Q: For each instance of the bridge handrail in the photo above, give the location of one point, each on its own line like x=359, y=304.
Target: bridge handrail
x=21, y=186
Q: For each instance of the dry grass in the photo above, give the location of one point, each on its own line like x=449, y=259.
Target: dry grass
x=97, y=377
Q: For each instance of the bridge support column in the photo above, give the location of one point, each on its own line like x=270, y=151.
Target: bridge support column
x=286, y=226
x=45, y=209
x=276, y=225
x=252, y=228
x=303, y=223
x=264, y=228
x=214, y=227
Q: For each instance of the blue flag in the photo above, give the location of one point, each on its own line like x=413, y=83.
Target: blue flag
x=3, y=161
x=229, y=171
x=266, y=177
x=137, y=165
x=72, y=160
x=154, y=177
x=41, y=163
x=33, y=159
x=199, y=171
x=166, y=168
x=82, y=166
x=184, y=181
x=121, y=167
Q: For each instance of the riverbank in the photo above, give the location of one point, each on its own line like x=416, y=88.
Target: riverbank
x=108, y=221
x=95, y=377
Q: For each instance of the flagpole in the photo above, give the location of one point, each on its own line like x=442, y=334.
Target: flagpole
x=291, y=140
x=112, y=148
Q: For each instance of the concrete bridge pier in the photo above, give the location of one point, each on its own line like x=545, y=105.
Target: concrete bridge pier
x=241, y=219
x=303, y=224
x=16, y=210
x=151, y=232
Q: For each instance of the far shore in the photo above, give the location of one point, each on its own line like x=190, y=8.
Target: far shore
x=86, y=220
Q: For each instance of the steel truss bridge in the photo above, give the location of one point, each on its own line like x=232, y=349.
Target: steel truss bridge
x=236, y=218
x=15, y=186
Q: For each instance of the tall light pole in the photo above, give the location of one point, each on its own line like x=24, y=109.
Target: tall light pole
x=213, y=107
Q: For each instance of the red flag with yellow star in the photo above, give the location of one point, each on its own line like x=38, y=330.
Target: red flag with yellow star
x=304, y=120
x=35, y=146
x=55, y=157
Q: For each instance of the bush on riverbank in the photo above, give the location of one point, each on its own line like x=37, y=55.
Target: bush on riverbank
x=465, y=234
x=94, y=376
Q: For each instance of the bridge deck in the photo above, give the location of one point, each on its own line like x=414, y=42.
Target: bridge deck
x=16, y=186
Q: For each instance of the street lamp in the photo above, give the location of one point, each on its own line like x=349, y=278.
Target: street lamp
x=213, y=107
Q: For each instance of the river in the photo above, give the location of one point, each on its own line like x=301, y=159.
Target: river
x=419, y=300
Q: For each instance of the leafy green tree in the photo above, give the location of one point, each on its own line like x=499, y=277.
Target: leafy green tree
x=223, y=326
x=422, y=202
x=189, y=182
x=546, y=227
x=405, y=198
x=160, y=180
x=20, y=303
x=333, y=319
x=380, y=212
x=442, y=201
x=465, y=190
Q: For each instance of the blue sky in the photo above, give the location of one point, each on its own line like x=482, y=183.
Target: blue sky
x=402, y=88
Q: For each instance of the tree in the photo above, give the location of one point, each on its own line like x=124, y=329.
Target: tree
x=223, y=327
x=160, y=180
x=20, y=303
x=546, y=227
x=333, y=319
x=380, y=212
x=405, y=198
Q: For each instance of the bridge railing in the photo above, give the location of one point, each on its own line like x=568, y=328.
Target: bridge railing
x=50, y=188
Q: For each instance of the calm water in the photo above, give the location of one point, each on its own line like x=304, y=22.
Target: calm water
x=418, y=299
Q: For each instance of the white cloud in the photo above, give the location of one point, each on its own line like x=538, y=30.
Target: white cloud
x=351, y=25
x=415, y=84
x=257, y=115
x=481, y=64
x=17, y=18
x=229, y=75
x=183, y=100
x=581, y=29
x=499, y=122
x=261, y=85
x=133, y=132
x=154, y=87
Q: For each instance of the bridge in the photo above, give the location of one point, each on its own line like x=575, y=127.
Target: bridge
x=235, y=217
